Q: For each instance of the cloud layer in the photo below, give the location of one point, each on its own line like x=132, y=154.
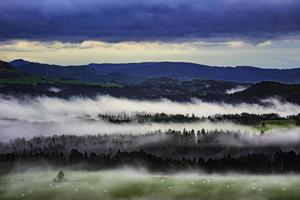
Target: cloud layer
x=152, y=20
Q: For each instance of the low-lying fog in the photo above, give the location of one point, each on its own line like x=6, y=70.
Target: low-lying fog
x=48, y=116
x=12, y=129
x=16, y=129
x=236, y=89
x=55, y=109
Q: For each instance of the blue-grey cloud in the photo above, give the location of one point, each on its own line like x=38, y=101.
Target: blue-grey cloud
x=151, y=20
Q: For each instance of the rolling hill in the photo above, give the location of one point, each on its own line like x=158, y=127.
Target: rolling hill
x=80, y=73
x=7, y=71
x=139, y=72
x=144, y=81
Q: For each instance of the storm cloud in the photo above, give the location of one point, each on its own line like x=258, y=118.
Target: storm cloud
x=152, y=20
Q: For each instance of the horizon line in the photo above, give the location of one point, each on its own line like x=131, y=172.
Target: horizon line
x=145, y=62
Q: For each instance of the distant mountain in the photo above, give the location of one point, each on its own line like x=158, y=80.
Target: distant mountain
x=81, y=73
x=188, y=71
x=19, y=62
x=138, y=72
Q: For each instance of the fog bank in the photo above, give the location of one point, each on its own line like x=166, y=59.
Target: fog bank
x=48, y=116
x=11, y=129
x=55, y=109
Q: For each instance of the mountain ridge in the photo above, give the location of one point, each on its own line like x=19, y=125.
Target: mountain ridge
x=138, y=72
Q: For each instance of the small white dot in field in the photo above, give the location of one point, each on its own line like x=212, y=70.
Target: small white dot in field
x=29, y=191
x=2, y=189
x=23, y=195
x=76, y=189
x=105, y=191
x=170, y=187
x=192, y=183
x=208, y=180
x=50, y=184
x=260, y=189
x=253, y=188
x=162, y=180
x=227, y=186
x=284, y=189
x=92, y=187
x=204, y=182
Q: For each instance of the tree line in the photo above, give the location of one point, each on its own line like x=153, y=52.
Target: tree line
x=243, y=118
x=259, y=163
x=211, y=151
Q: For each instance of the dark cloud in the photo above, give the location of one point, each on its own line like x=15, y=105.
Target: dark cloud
x=139, y=20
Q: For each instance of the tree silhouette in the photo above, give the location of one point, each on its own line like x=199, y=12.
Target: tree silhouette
x=59, y=177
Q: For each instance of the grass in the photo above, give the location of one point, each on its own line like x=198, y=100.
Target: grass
x=34, y=80
x=130, y=185
x=269, y=125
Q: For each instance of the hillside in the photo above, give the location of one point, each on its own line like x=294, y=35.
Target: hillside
x=188, y=71
x=7, y=71
x=138, y=72
x=80, y=73
x=163, y=87
x=91, y=81
x=263, y=90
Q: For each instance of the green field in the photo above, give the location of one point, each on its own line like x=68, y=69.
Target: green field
x=122, y=184
x=268, y=125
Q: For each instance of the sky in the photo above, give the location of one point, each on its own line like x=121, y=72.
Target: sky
x=262, y=33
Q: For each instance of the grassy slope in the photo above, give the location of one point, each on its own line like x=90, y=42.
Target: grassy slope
x=275, y=124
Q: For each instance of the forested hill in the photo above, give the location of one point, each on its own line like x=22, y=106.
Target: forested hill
x=138, y=72
x=8, y=71
x=36, y=79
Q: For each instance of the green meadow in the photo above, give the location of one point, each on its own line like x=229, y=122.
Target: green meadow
x=125, y=184
x=268, y=125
